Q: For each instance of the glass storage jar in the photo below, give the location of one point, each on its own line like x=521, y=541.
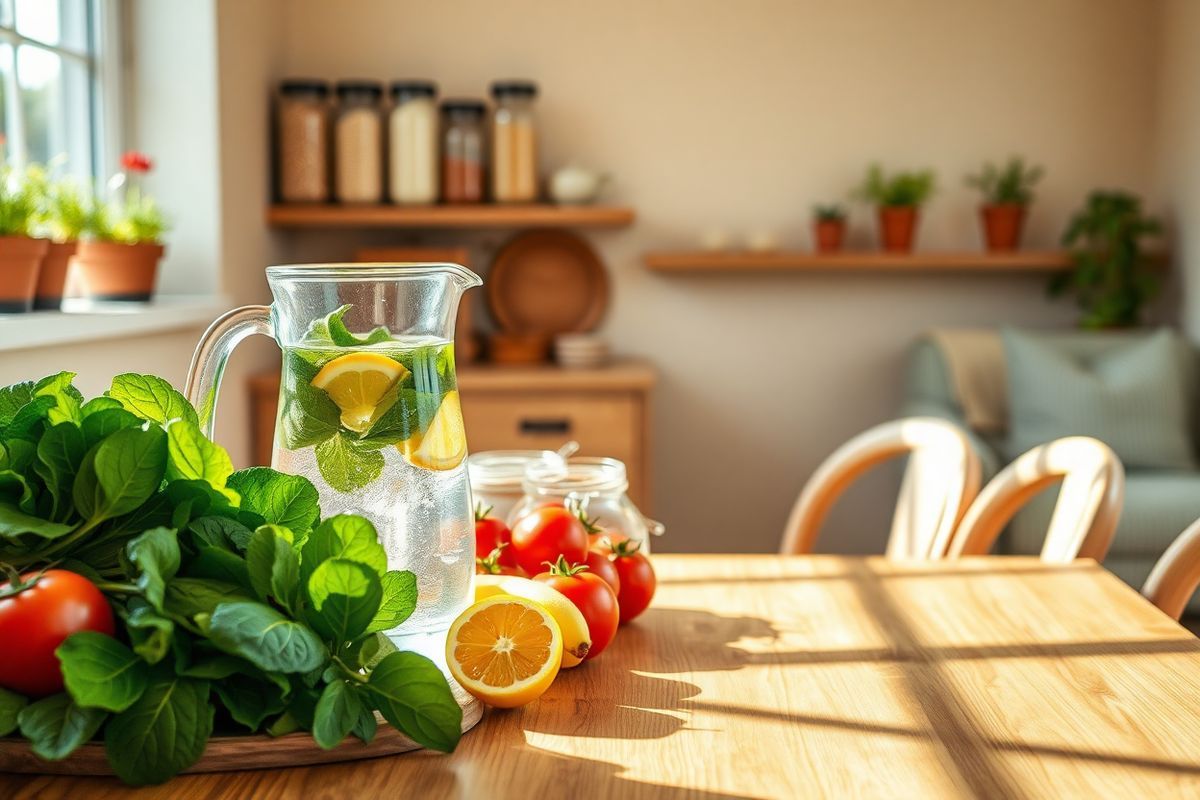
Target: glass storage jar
x=413, y=143
x=302, y=141
x=497, y=477
x=514, y=142
x=462, y=151
x=597, y=486
x=358, y=136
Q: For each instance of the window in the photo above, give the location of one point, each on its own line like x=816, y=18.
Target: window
x=51, y=93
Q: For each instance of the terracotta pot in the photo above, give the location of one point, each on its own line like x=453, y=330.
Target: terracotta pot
x=897, y=227
x=20, y=259
x=1002, y=225
x=829, y=234
x=52, y=279
x=111, y=271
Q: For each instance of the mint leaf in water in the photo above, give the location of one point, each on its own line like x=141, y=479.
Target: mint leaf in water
x=151, y=398
x=286, y=500
x=100, y=672
x=346, y=465
x=332, y=330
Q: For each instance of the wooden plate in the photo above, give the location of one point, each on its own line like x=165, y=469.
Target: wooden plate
x=229, y=753
x=547, y=282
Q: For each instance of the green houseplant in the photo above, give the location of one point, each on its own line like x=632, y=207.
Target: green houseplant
x=118, y=258
x=898, y=198
x=1007, y=192
x=1111, y=276
x=66, y=210
x=829, y=227
x=21, y=254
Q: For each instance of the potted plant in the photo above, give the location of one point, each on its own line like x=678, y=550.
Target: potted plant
x=829, y=227
x=20, y=253
x=898, y=198
x=1007, y=191
x=118, y=257
x=1111, y=276
x=66, y=211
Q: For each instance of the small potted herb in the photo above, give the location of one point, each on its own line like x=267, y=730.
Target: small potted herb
x=1007, y=191
x=118, y=258
x=829, y=227
x=67, y=208
x=1112, y=277
x=898, y=199
x=20, y=253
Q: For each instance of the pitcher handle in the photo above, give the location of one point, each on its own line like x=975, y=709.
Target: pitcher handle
x=208, y=362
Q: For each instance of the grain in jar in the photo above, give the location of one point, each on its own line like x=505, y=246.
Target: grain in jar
x=514, y=142
x=358, y=143
x=302, y=141
x=463, y=151
x=413, y=143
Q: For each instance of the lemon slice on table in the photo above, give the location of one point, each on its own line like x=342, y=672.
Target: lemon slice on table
x=356, y=383
x=505, y=650
x=444, y=443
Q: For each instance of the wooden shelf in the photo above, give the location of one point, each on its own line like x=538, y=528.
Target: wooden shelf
x=866, y=260
x=480, y=216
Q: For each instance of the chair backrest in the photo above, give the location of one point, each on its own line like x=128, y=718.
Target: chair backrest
x=943, y=476
x=1175, y=577
x=1085, y=516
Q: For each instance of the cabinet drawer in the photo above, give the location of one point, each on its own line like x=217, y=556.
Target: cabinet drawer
x=607, y=424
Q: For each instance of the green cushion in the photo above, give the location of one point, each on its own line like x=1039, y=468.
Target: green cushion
x=1131, y=397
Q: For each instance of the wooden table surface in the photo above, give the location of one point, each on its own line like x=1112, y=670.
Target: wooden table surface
x=762, y=676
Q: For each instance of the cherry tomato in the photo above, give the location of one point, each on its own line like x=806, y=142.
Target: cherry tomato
x=594, y=598
x=598, y=564
x=637, y=578
x=490, y=533
x=544, y=534
x=493, y=563
x=36, y=616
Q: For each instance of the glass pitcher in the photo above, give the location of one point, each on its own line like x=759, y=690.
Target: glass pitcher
x=369, y=412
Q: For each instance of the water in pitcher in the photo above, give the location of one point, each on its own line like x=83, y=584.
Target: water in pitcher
x=378, y=429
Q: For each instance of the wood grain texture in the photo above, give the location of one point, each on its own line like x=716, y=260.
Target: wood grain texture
x=766, y=676
x=863, y=260
x=537, y=215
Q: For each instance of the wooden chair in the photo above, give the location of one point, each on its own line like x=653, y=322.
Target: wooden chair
x=1176, y=575
x=942, y=477
x=1085, y=516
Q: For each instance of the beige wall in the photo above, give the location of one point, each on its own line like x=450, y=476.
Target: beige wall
x=742, y=115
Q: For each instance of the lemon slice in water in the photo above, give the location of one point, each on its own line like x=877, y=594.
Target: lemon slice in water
x=356, y=383
x=444, y=443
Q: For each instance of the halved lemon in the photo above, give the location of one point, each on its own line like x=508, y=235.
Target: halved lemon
x=444, y=443
x=505, y=650
x=356, y=383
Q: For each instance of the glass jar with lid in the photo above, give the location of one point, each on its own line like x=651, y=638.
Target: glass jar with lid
x=597, y=486
x=514, y=142
x=497, y=477
x=413, y=143
x=463, y=151
x=302, y=141
x=358, y=137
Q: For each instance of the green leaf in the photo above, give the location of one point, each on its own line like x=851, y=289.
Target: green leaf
x=287, y=500
x=345, y=465
x=30, y=419
x=309, y=415
x=337, y=713
x=370, y=649
x=15, y=523
x=156, y=555
x=212, y=531
x=412, y=694
x=219, y=667
x=66, y=398
x=150, y=633
x=120, y=473
x=399, y=420
x=151, y=398
x=265, y=638
x=11, y=704
x=191, y=456
x=187, y=597
x=98, y=404
x=59, y=454
x=12, y=398
x=55, y=726
x=15, y=489
x=221, y=565
x=399, y=600
x=345, y=536
x=365, y=725
x=345, y=596
x=99, y=425
x=342, y=337
x=274, y=566
x=250, y=701
x=161, y=734
x=100, y=672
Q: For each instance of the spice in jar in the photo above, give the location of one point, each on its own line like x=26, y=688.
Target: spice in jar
x=358, y=136
x=462, y=151
x=514, y=142
x=302, y=141
x=413, y=143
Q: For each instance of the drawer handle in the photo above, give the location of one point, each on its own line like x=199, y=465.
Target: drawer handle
x=546, y=426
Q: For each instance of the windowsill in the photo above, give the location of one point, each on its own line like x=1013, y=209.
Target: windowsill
x=84, y=321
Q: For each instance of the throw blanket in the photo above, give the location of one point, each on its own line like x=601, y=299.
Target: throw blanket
x=978, y=373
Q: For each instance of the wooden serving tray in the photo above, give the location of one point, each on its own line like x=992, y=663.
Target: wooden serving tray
x=230, y=753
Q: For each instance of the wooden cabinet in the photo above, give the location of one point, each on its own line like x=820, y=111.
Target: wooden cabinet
x=533, y=408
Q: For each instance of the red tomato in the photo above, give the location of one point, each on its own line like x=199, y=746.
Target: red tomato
x=594, y=598
x=637, y=578
x=494, y=564
x=598, y=564
x=544, y=534
x=35, y=620
x=491, y=533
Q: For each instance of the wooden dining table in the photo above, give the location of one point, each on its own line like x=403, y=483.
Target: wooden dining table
x=818, y=676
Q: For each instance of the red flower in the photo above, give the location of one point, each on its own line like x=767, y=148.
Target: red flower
x=133, y=161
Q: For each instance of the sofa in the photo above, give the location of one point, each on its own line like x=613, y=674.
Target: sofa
x=1159, y=502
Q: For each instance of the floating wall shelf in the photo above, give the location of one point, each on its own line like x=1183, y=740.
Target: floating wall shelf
x=474, y=216
x=864, y=261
